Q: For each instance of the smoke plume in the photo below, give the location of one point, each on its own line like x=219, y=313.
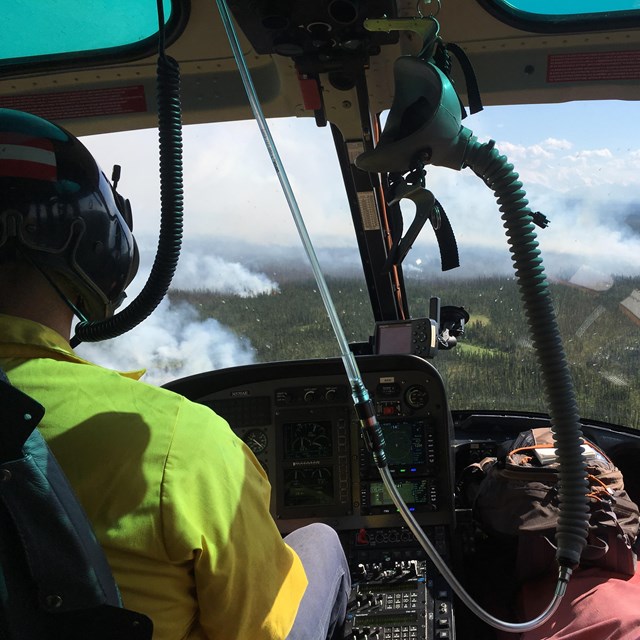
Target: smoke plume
x=174, y=341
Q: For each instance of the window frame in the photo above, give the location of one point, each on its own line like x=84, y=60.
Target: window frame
x=537, y=23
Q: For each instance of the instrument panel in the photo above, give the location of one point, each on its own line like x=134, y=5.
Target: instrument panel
x=298, y=419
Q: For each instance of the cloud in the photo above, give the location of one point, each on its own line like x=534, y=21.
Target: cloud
x=589, y=209
x=230, y=186
x=554, y=143
x=591, y=153
x=237, y=222
x=232, y=191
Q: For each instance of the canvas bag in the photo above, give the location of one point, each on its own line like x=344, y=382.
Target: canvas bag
x=517, y=497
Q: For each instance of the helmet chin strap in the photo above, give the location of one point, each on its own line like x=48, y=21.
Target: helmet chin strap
x=57, y=289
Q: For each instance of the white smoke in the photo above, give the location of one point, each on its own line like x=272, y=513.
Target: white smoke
x=174, y=341
x=171, y=343
x=212, y=273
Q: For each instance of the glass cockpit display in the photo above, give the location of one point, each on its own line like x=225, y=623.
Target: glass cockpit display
x=412, y=491
x=405, y=443
x=307, y=483
x=308, y=487
x=307, y=440
x=312, y=435
x=410, y=446
x=298, y=419
x=315, y=475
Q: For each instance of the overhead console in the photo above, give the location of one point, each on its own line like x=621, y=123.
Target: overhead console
x=298, y=419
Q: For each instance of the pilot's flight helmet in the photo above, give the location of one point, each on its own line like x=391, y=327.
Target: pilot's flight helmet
x=59, y=210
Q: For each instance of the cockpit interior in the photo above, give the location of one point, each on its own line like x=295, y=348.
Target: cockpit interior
x=394, y=87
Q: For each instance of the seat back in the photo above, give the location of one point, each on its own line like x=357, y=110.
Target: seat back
x=55, y=581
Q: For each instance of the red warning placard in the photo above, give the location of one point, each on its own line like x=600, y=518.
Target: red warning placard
x=593, y=66
x=83, y=103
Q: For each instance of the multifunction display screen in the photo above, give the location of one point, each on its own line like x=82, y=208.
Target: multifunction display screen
x=307, y=440
x=404, y=443
x=409, y=446
x=419, y=493
x=413, y=491
x=308, y=487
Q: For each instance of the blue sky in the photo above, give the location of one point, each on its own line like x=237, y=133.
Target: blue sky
x=612, y=124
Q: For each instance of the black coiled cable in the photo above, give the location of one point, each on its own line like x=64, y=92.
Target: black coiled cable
x=498, y=174
x=171, y=198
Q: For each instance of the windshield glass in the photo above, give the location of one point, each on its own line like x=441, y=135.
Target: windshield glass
x=244, y=292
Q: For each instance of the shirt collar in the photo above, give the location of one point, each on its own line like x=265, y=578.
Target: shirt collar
x=24, y=338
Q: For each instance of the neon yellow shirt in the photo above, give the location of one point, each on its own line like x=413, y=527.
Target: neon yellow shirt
x=178, y=502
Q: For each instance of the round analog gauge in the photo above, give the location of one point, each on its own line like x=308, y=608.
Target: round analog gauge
x=256, y=440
